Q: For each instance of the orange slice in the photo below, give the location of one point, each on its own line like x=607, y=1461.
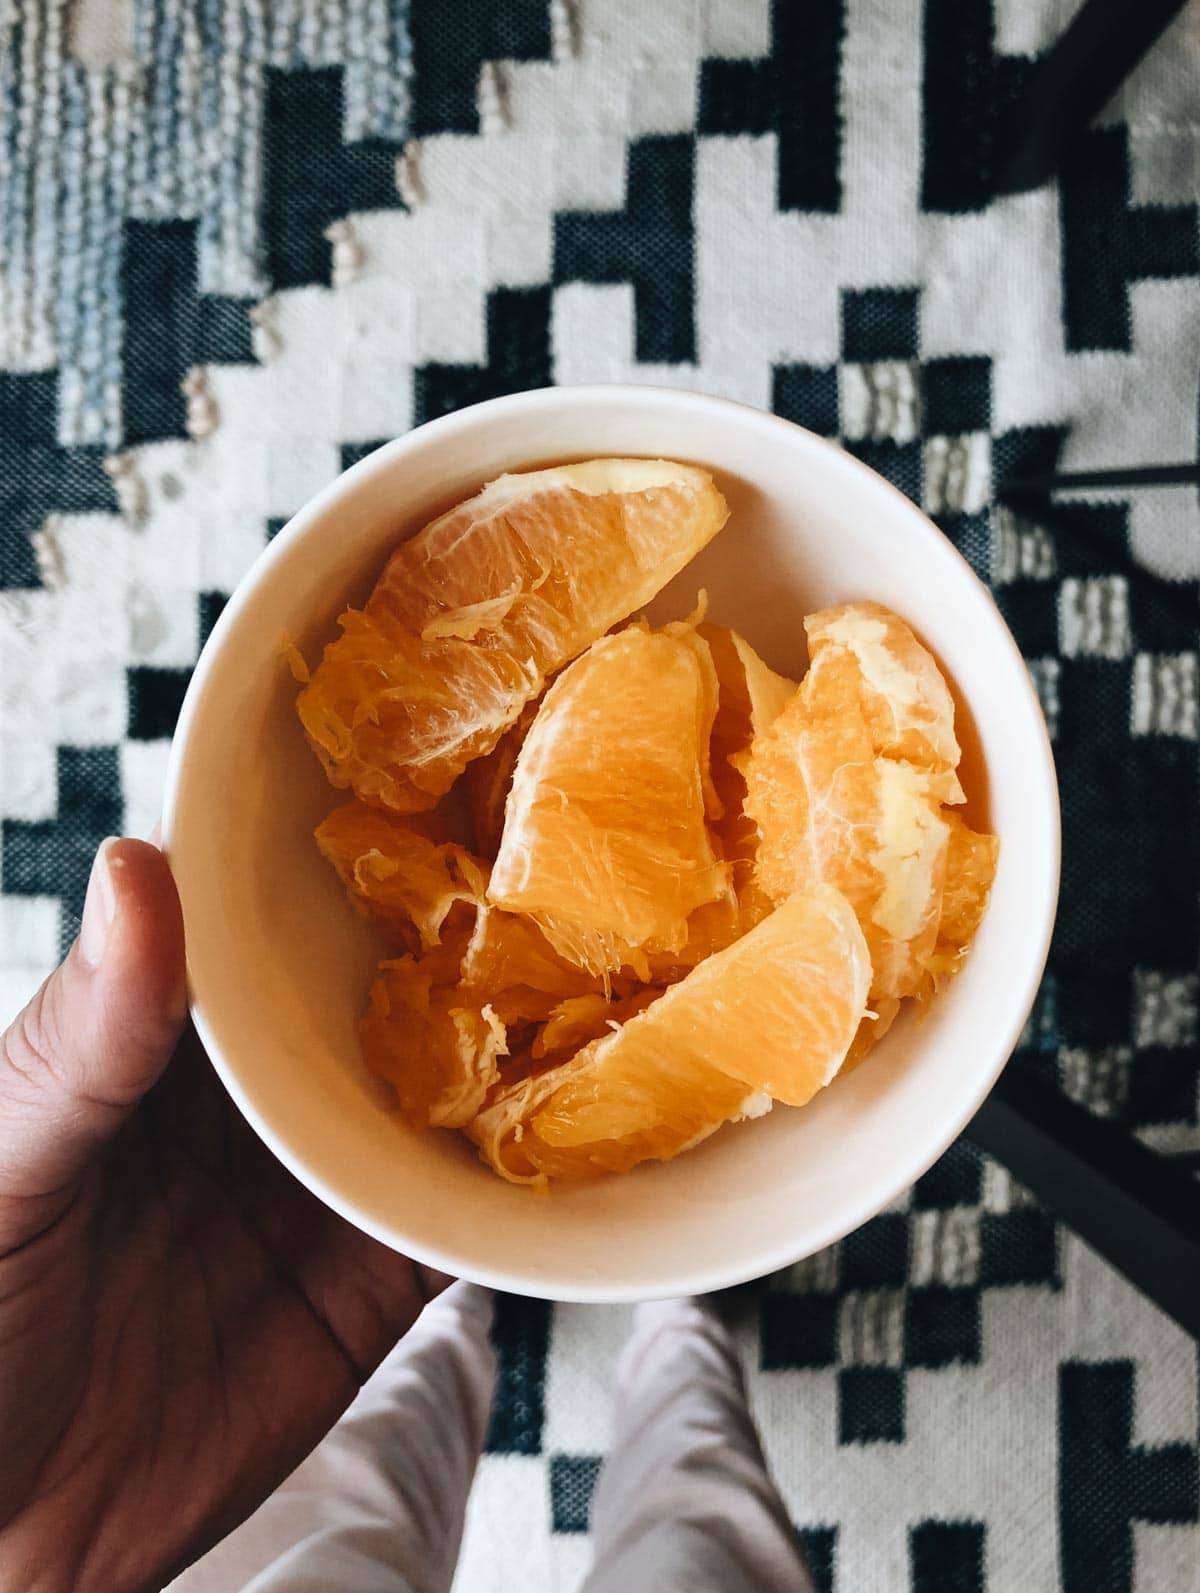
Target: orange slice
x=472, y=615
x=849, y=786
x=397, y=874
x=772, y=1016
x=606, y=844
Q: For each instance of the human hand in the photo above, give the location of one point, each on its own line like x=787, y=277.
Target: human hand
x=180, y=1321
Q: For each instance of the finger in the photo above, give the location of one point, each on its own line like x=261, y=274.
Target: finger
x=94, y=1038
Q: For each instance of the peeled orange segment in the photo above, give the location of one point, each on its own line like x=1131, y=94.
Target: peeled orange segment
x=850, y=784
x=521, y=1156
x=435, y=1046
x=865, y=658
x=777, y=1009
x=396, y=874
x=632, y=1120
x=511, y=964
x=829, y=812
x=606, y=845
x=472, y=615
x=770, y=1017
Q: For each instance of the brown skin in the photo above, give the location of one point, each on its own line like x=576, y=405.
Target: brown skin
x=180, y=1321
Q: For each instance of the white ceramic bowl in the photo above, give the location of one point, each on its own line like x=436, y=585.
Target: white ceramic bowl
x=279, y=964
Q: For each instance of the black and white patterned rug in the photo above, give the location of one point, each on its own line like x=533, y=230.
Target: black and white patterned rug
x=242, y=243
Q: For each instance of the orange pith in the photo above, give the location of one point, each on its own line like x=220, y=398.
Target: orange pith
x=634, y=886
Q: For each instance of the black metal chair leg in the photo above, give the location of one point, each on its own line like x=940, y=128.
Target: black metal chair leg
x=1136, y=1208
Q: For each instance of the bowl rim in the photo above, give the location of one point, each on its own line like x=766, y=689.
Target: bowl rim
x=700, y=1277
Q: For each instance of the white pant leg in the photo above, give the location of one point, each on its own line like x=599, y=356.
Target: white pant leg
x=378, y=1506
x=684, y=1503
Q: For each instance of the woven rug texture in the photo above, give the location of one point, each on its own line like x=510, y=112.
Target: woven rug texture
x=244, y=241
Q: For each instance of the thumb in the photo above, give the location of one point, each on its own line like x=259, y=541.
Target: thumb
x=94, y=1038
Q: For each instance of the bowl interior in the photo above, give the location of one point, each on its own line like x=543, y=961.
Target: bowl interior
x=280, y=965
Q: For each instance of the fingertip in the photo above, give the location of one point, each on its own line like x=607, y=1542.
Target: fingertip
x=140, y=864
x=143, y=963
x=98, y=1033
